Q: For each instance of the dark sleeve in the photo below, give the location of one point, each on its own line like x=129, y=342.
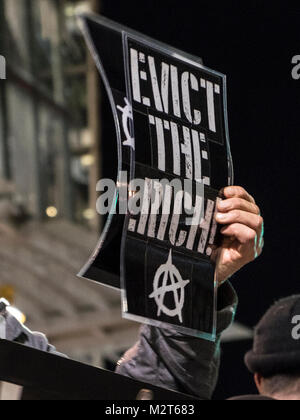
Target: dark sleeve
x=12, y=330
x=168, y=359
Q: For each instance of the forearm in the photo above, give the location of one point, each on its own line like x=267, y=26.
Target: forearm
x=171, y=360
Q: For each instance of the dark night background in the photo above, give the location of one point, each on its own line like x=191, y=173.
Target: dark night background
x=253, y=44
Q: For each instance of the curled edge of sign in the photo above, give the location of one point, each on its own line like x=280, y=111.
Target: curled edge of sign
x=86, y=33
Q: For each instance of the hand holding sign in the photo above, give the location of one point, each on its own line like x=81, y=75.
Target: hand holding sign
x=243, y=231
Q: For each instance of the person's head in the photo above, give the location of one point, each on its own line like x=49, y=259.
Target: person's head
x=275, y=357
x=279, y=387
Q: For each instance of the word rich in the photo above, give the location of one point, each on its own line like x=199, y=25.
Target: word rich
x=2, y=68
x=157, y=221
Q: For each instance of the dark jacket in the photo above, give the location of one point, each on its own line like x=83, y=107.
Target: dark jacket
x=172, y=360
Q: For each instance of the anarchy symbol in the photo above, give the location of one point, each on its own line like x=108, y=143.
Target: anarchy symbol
x=127, y=116
x=177, y=286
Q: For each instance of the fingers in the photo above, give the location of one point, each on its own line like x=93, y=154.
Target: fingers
x=242, y=233
x=251, y=220
x=238, y=192
x=242, y=222
x=238, y=204
x=247, y=237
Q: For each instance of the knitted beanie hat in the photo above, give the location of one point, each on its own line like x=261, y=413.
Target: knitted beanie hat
x=276, y=348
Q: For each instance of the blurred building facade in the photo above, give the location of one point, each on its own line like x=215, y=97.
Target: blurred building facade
x=48, y=139
x=50, y=162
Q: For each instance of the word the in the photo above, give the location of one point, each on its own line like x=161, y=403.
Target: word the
x=2, y=68
x=296, y=69
x=188, y=145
